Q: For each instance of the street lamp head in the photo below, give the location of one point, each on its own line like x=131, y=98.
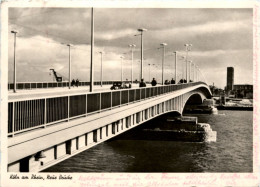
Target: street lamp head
x=163, y=44
x=142, y=30
x=70, y=45
x=132, y=45
x=14, y=32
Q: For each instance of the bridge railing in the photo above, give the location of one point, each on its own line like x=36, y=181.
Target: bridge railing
x=38, y=85
x=25, y=115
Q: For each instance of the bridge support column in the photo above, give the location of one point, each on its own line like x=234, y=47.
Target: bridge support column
x=33, y=165
x=163, y=107
x=117, y=126
x=98, y=135
x=73, y=145
x=134, y=119
x=103, y=132
x=90, y=139
x=121, y=125
x=109, y=130
x=82, y=141
x=61, y=150
x=50, y=154
x=114, y=128
x=138, y=117
x=146, y=116
x=127, y=121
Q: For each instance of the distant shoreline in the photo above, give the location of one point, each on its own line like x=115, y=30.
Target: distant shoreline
x=235, y=108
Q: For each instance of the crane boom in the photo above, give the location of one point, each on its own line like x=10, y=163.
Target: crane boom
x=58, y=79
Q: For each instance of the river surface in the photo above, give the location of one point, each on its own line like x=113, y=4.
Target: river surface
x=231, y=153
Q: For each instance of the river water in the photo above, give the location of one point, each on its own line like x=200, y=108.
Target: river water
x=231, y=153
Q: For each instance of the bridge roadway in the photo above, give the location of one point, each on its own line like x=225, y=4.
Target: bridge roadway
x=85, y=120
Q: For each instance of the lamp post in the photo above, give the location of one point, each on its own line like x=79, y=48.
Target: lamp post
x=190, y=61
x=92, y=52
x=122, y=68
x=163, y=56
x=141, y=30
x=154, y=71
x=14, y=32
x=188, y=48
x=175, y=66
x=149, y=71
x=132, y=46
x=69, y=45
x=101, y=73
x=198, y=75
x=152, y=67
x=194, y=72
x=183, y=68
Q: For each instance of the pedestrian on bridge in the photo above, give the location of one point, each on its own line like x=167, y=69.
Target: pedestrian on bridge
x=142, y=83
x=77, y=82
x=73, y=82
x=154, y=82
x=172, y=81
x=166, y=82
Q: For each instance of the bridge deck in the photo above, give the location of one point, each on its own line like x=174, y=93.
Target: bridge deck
x=31, y=110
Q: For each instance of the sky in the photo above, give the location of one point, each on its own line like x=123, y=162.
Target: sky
x=220, y=38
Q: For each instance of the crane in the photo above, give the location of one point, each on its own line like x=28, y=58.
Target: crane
x=58, y=79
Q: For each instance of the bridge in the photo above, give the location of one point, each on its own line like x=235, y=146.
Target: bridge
x=45, y=128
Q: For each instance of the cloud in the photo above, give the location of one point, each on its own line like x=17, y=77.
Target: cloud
x=114, y=34
x=220, y=38
x=206, y=28
x=216, y=53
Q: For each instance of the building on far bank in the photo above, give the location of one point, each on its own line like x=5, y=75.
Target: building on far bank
x=237, y=90
x=230, y=79
x=243, y=91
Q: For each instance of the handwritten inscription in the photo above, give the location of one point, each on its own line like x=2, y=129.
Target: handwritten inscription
x=146, y=179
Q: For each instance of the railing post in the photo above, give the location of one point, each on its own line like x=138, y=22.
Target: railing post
x=13, y=120
x=111, y=93
x=45, y=112
x=120, y=97
x=100, y=102
x=68, y=108
x=134, y=95
x=86, y=104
